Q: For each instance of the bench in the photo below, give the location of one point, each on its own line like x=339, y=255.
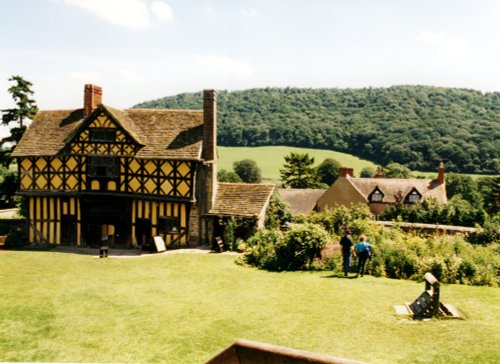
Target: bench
x=427, y=305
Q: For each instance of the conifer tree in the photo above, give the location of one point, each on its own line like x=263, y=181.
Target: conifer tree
x=298, y=171
x=25, y=109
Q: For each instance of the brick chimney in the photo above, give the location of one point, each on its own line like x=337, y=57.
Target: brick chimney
x=379, y=173
x=208, y=182
x=209, y=125
x=344, y=172
x=441, y=173
x=92, y=97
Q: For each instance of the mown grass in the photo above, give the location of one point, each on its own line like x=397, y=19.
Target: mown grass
x=184, y=308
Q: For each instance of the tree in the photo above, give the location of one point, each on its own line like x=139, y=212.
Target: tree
x=367, y=172
x=465, y=186
x=8, y=186
x=298, y=171
x=248, y=171
x=396, y=170
x=25, y=109
x=228, y=176
x=489, y=188
x=328, y=171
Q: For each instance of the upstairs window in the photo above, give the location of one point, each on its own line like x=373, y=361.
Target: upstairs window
x=102, y=167
x=413, y=196
x=102, y=135
x=377, y=196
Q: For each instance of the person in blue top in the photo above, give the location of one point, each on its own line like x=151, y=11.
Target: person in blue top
x=363, y=252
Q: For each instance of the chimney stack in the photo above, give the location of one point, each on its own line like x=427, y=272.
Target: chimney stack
x=92, y=97
x=209, y=125
x=379, y=173
x=441, y=173
x=344, y=172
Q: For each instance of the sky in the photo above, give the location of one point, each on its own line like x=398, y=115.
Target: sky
x=139, y=50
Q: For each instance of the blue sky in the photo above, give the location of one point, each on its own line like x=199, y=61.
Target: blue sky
x=139, y=50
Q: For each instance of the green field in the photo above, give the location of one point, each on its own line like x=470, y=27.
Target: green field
x=271, y=159
x=184, y=308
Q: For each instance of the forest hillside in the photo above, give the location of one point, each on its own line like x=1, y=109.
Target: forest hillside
x=417, y=126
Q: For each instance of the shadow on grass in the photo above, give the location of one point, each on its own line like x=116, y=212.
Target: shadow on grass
x=340, y=275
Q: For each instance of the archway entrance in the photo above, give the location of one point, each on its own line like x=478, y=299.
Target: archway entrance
x=106, y=221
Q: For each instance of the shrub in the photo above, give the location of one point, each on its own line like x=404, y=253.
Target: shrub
x=302, y=244
x=487, y=234
x=261, y=249
x=336, y=219
x=400, y=264
x=277, y=213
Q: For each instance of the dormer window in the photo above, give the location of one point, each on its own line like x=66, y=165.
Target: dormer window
x=376, y=196
x=413, y=197
x=102, y=135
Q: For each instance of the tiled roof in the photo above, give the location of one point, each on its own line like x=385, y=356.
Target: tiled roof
x=301, y=201
x=47, y=132
x=241, y=199
x=163, y=134
x=392, y=187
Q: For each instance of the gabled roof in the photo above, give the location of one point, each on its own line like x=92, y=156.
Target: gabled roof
x=241, y=199
x=393, y=187
x=301, y=200
x=162, y=134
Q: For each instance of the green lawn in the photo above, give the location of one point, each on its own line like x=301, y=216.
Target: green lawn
x=271, y=159
x=184, y=308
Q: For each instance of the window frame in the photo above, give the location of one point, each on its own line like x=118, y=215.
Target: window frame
x=98, y=163
x=376, y=192
x=168, y=225
x=413, y=193
x=102, y=135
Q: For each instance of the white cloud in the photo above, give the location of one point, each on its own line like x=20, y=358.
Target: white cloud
x=223, y=65
x=162, y=11
x=208, y=10
x=250, y=13
x=133, y=14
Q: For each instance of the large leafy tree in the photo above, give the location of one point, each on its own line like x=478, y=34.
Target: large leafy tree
x=248, y=171
x=228, y=176
x=328, y=171
x=25, y=109
x=396, y=170
x=465, y=186
x=298, y=171
x=489, y=188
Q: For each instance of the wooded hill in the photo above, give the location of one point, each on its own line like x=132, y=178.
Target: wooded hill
x=413, y=125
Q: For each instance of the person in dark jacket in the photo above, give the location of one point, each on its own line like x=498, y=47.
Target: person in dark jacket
x=363, y=252
x=347, y=247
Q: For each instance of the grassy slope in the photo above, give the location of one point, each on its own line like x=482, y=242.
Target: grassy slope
x=184, y=308
x=271, y=159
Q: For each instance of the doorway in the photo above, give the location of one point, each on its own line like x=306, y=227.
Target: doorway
x=68, y=230
x=106, y=221
x=143, y=234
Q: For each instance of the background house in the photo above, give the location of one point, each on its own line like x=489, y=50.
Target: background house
x=301, y=201
x=380, y=192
